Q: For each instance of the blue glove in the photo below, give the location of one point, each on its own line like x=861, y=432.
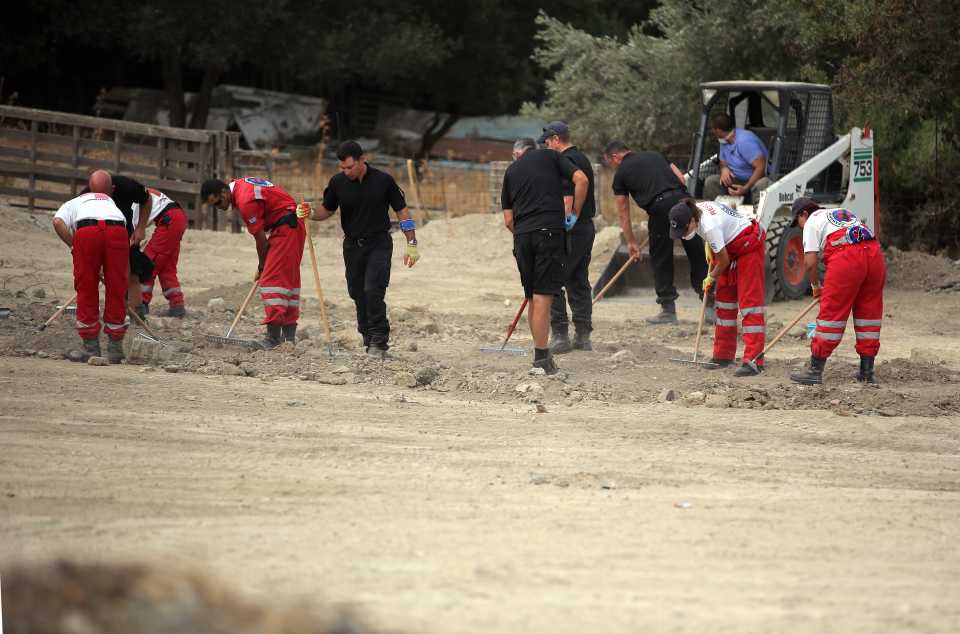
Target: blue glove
x=569, y=221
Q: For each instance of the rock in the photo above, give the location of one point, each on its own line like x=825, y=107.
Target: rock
x=537, y=372
x=295, y=403
x=529, y=388
x=539, y=478
x=172, y=369
x=77, y=356
x=185, y=347
x=426, y=376
x=405, y=379
x=412, y=346
x=342, y=369
x=431, y=328
x=39, y=293
x=249, y=369
x=608, y=484
x=229, y=369
x=694, y=398
x=216, y=305
x=835, y=402
x=304, y=332
x=331, y=380
x=506, y=303
x=43, y=355
x=621, y=355
x=308, y=376
x=97, y=361
x=158, y=322
x=29, y=352
x=539, y=408
x=667, y=395
x=716, y=401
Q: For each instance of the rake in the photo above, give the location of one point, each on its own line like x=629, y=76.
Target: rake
x=623, y=269
x=696, y=348
x=513, y=326
x=227, y=339
x=60, y=311
x=753, y=362
x=324, y=318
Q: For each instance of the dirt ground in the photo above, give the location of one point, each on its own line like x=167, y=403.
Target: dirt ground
x=448, y=490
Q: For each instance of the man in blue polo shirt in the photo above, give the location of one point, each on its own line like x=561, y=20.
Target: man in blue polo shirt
x=743, y=162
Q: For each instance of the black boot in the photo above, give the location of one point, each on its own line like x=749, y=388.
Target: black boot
x=866, y=371
x=581, y=341
x=141, y=310
x=274, y=337
x=290, y=333
x=115, y=350
x=91, y=348
x=812, y=374
x=560, y=342
x=176, y=310
x=543, y=359
x=718, y=364
x=667, y=314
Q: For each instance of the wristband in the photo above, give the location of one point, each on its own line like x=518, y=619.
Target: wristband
x=407, y=225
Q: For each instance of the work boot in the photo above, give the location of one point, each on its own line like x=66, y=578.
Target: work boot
x=274, y=337
x=91, y=348
x=812, y=374
x=866, y=371
x=546, y=363
x=748, y=370
x=377, y=351
x=719, y=364
x=290, y=333
x=560, y=342
x=581, y=341
x=667, y=314
x=115, y=350
x=175, y=310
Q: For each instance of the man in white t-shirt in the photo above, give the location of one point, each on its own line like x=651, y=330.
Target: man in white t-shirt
x=94, y=229
x=737, y=267
x=164, y=250
x=856, y=274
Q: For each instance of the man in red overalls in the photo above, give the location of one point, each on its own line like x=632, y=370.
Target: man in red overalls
x=737, y=267
x=270, y=216
x=95, y=230
x=164, y=250
x=856, y=273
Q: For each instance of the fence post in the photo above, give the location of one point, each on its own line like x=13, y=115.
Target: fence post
x=34, y=130
x=75, y=159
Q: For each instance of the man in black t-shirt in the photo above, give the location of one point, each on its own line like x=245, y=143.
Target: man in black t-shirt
x=363, y=193
x=656, y=185
x=556, y=137
x=532, y=201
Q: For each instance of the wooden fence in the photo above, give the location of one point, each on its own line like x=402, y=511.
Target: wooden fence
x=46, y=158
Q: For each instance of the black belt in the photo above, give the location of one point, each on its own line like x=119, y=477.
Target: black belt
x=93, y=222
x=668, y=194
x=362, y=240
x=290, y=220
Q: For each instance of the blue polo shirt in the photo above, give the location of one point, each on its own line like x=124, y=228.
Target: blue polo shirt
x=739, y=155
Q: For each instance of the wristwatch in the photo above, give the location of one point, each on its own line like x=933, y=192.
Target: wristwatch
x=412, y=242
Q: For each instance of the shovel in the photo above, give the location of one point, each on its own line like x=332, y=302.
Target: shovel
x=503, y=347
x=753, y=362
x=233, y=341
x=696, y=349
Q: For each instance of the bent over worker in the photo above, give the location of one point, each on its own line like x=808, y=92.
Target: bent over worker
x=737, y=267
x=94, y=229
x=163, y=249
x=269, y=214
x=532, y=201
x=856, y=274
x=363, y=194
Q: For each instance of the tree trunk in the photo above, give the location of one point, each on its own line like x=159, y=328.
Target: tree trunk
x=437, y=130
x=173, y=86
x=201, y=104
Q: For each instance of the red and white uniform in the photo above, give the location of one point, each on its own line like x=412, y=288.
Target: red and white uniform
x=856, y=274
x=100, y=247
x=164, y=246
x=261, y=204
x=740, y=287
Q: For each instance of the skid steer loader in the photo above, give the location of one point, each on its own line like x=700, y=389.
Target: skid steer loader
x=795, y=121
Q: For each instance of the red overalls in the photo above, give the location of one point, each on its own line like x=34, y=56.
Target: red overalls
x=101, y=247
x=265, y=207
x=164, y=250
x=856, y=273
x=741, y=286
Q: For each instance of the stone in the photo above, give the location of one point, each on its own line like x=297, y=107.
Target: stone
x=216, y=305
x=341, y=369
x=540, y=408
x=295, y=403
x=97, y=361
x=412, y=346
x=621, y=355
x=539, y=478
x=529, y=388
x=835, y=402
x=537, y=372
x=405, y=379
x=229, y=369
x=667, y=395
x=249, y=369
x=331, y=380
x=77, y=356
x=426, y=376
x=431, y=328
x=39, y=293
x=716, y=401
x=43, y=355
x=695, y=397
x=172, y=369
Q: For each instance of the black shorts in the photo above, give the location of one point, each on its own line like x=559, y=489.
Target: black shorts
x=540, y=255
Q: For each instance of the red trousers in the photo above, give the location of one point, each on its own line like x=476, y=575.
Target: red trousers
x=741, y=287
x=101, y=249
x=854, y=281
x=280, y=279
x=164, y=250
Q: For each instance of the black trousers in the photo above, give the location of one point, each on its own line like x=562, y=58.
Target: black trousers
x=367, y=263
x=661, y=251
x=576, y=286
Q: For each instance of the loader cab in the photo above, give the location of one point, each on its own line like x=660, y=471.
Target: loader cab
x=794, y=120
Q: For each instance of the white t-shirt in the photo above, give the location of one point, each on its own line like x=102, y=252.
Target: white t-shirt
x=160, y=202
x=719, y=224
x=822, y=223
x=95, y=206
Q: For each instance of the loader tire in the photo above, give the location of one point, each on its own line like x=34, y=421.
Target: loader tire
x=786, y=276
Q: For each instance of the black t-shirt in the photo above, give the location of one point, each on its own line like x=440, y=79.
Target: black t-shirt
x=578, y=158
x=126, y=191
x=644, y=175
x=363, y=203
x=533, y=189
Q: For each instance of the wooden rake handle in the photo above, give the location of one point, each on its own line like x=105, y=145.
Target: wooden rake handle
x=59, y=312
x=622, y=270
x=243, y=307
x=787, y=329
x=316, y=281
x=142, y=323
x=703, y=315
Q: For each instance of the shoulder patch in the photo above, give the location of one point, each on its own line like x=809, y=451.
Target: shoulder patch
x=262, y=182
